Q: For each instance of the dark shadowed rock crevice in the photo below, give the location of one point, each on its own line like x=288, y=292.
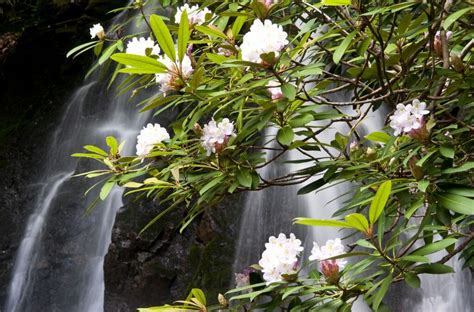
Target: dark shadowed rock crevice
x=163, y=265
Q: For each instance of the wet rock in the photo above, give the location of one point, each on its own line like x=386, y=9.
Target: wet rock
x=162, y=265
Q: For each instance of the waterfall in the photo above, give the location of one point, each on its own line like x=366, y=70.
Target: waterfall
x=270, y=212
x=59, y=263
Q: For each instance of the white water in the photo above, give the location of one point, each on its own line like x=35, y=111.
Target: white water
x=271, y=211
x=25, y=255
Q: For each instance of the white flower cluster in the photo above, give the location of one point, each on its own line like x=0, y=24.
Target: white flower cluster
x=408, y=117
x=138, y=46
x=149, y=136
x=280, y=257
x=195, y=15
x=97, y=31
x=216, y=135
x=262, y=38
x=171, y=80
x=332, y=248
x=274, y=87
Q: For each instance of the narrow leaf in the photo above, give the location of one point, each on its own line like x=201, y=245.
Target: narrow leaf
x=317, y=222
x=163, y=36
x=358, y=221
x=378, y=136
x=456, y=203
x=183, y=35
x=105, y=190
x=434, y=247
x=144, y=63
x=341, y=49
x=379, y=201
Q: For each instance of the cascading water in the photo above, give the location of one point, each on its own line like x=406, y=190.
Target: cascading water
x=267, y=212
x=59, y=263
x=270, y=212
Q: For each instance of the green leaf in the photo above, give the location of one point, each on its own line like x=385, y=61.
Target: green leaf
x=87, y=155
x=105, y=190
x=433, y=268
x=456, y=203
x=244, y=177
x=80, y=47
x=308, y=70
x=454, y=17
x=423, y=185
x=358, y=221
x=380, y=294
x=210, y=185
x=285, y=135
x=434, y=247
x=216, y=58
x=183, y=35
x=412, y=279
x=415, y=258
x=95, y=149
x=341, y=49
x=210, y=31
x=107, y=53
x=379, y=201
x=289, y=91
x=98, y=48
x=141, y=64
x=238, y=23
x=312, y=186
x=464, y=167
x=112, y=143
x=163, y=36
x=198, y=293
x=460, y=190
x=378, y=136
x=318, y=222
x=336, y=2
x=447, y=151
x=364, y=243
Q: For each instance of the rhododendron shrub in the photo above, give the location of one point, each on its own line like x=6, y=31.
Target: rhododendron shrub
x=318, y=73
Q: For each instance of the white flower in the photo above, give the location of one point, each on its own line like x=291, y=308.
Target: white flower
x=331, y=249
x=148, y=137
x=408, y=117
x=195, y=15
x=172, y=79
x=262, y=38
x=280, y=257
x=97, y=31
x=215, y=136
x=274, y=87
x=139, y=46
x=418, y=109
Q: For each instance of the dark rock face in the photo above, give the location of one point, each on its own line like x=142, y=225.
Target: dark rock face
x=163, y=265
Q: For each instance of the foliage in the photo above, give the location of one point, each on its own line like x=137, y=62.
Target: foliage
x=413, y=193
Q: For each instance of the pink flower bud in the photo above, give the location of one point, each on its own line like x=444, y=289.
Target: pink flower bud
x=330, y=270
